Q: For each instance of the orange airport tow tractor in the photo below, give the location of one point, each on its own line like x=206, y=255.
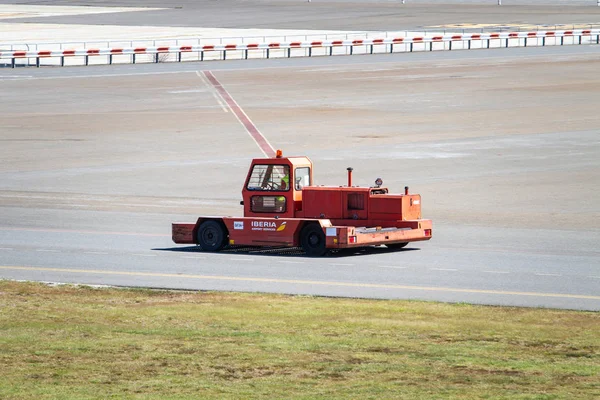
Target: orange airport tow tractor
x=283, y=208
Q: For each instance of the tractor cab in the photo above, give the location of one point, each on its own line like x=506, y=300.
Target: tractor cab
x=273, y=187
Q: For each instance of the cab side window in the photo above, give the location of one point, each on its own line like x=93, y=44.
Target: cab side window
x=302, y=178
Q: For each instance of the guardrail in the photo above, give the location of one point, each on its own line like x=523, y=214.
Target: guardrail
x=389, y=45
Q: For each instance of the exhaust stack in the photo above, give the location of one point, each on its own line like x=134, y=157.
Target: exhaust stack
x=349, y=169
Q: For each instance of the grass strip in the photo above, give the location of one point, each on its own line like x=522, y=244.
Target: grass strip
x=77, y=342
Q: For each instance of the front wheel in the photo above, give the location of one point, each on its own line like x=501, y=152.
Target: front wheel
x=312, y=239
x=211, y=236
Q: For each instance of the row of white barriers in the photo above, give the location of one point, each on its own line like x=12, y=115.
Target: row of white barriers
x=303, y=48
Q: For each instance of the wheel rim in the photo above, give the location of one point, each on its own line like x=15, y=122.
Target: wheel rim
x=314, y=240
x=210, y=237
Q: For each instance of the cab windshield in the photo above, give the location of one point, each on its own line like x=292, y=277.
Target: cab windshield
x=269, y=178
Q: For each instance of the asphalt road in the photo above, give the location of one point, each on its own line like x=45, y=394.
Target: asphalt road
x=503, y=146
x=377, y=15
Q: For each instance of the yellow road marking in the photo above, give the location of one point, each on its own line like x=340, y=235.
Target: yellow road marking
x=542, y=27
x=299, y=281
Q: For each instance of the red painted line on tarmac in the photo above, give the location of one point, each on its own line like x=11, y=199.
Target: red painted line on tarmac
x=252, y=130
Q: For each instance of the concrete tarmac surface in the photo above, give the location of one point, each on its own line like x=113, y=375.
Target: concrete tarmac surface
x=374, y=15
x=502, y=144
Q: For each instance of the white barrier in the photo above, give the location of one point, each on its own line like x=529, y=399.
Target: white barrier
x=502, y=39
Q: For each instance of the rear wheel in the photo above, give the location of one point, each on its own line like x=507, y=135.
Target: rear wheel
x=312, y=239
x=396, y=245
x=211, y=236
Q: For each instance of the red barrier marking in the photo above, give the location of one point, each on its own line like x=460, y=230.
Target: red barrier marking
x=91, y=52
x=208, y=47
x=437, y=38
x=475, y=37
x=19, y=54
x=457, y=37
x=398, y=40
x=116, y=51
x=550, y=33
x=530, y=34
x=377, y=41
x=417, y=39
x=253, y=46
x=44, y=53
x=337, y=42
x=295, y=44
x=273, y=45
x=230, y=46
x=316, y=44
x=252, y=130
x=586, y=32
x=568, y=32
x=495, y=35
x=357, y=42
x=139, y=50
x=163, y=49
x=185, y=48
x=513, y=34
x=69, y=53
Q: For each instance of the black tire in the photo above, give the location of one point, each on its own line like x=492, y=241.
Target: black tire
x=396, y=245
x=211, y=236
x=312, y=239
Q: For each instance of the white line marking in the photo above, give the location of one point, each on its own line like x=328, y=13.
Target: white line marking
x=341, y=264
x=145, y=255
x=187, y=91
x=443, y=269
x=291, y=262
x=220, y=100
x=194, y=257
x=497, y=272
x=390, y=266
x=94, y=252
x=101, y=76
x=48, y=250
x=594, y=277
x=6, y=248
x=241, y=259
x=548, y=274
x=214, y=92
